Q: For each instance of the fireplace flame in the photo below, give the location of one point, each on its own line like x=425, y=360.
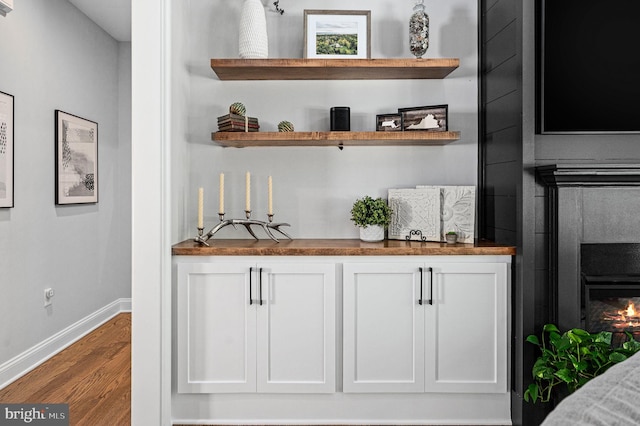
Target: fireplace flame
x=630, y=311
x=627, y=318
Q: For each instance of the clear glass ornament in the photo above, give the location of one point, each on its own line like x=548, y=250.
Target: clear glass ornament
x=419, y=30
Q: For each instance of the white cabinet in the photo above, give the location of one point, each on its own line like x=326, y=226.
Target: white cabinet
x=425, y=327
x=383, y=325
x=245, y=327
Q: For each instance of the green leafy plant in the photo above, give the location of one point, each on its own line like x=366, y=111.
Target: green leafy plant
x=451, y=233
x=571, y=359
x=368, y=211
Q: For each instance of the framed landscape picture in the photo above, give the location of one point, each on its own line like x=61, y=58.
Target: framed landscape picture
x=337, y=34
x=76, y=159
x=426, y=118
x=6, y=150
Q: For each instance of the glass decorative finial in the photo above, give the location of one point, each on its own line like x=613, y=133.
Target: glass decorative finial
x=419, y=30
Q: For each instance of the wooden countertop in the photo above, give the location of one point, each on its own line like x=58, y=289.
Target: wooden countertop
x=336, y=247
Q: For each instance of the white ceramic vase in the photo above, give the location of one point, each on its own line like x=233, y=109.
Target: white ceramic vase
x=254, y=43
x=372, y=233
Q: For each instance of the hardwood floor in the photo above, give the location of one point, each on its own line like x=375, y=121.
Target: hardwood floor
x=93, y=376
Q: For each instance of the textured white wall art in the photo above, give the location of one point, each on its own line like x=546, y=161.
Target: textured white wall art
x=458, y=211
x=415, y=214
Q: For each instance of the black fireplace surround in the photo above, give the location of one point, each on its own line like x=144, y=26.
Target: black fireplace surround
x=593, y=214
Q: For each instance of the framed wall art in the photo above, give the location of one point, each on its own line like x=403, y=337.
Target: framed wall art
x=6, y=149
x=76, y=159
x=388, y=122
x=337, y=34
x=426, y=118
x=457, y=211
x=415, y=214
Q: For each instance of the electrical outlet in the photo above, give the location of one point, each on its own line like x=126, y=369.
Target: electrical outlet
x=48, y=295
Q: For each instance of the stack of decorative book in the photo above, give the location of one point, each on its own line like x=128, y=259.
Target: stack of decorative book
x=237, y=123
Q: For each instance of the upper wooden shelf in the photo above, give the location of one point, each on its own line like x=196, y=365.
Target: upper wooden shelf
x=333, y=69
x=409, y=138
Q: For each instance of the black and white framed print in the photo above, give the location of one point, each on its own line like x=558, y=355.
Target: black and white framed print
x=76, y=159
x=388, y=122
x=430, y=118
x=6, y=149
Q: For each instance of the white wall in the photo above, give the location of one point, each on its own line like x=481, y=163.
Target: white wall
x=53, y=57
x=314, y=188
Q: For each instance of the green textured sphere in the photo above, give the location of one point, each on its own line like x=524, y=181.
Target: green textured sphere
x=285, y=126
x=237, y=108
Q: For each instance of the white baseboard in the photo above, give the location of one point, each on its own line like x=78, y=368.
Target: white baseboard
x=36, y=355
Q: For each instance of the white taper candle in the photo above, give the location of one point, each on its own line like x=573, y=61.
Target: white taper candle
x=200, y=208
x=270, y=195
x=248, y=195
x=221, y=211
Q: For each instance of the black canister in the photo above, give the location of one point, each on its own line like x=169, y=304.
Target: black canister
x=340, y=119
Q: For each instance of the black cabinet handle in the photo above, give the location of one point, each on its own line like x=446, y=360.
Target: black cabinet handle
x=431, y=286
x=250, y=285
x=260, y=284
x=421, y=275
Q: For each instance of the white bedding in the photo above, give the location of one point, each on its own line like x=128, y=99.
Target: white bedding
x=611, y=399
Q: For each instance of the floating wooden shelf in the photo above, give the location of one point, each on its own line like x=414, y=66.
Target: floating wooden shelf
x=333, y=69
x=409, y=138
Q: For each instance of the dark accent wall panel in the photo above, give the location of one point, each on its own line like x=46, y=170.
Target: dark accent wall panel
x=487, y=5
x=502, y=80
x=552, y=149
x=499, y=178
x=501, y=174
x=503, y=113
x=500, y=48
x=503, y=219
x=541, y=206
x=502, y=146
x=507, y=237
x=501, y=14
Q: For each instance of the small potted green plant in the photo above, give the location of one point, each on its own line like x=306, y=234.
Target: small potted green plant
x=451, y=237
x=569, y=360
x=372, y=216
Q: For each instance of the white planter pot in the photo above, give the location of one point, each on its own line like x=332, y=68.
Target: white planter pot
x=254, y=43
x=372, y=233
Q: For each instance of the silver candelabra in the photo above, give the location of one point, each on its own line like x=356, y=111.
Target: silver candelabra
x=267, y=226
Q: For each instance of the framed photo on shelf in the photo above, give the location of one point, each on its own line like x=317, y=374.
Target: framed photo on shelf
x=426, y=118
x=76, y=159
x=389, y=122
x=337, y=34
x=6, y=149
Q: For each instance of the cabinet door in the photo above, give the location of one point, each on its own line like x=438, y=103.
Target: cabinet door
x=466, y=328
x=216, y=328
x=296, y=328
x=383, y=328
